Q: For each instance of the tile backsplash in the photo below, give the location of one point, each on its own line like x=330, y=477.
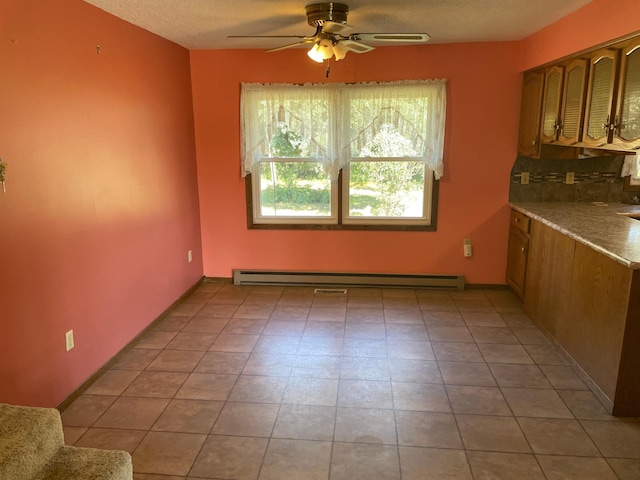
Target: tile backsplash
x=596, y=179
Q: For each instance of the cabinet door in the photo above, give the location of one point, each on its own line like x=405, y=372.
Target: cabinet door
x=530, y=114
x=599, y=109
x=517, y=260
x=551, y=104
x=627, y=123
x=571, y=112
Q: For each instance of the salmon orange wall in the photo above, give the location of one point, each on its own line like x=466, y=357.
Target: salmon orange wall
x=481, y=132
x=597, y=22
x=101, y=203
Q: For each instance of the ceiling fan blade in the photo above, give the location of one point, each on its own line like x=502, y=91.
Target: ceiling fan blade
x=266, y=36
x=336, y=28
x=354, y=46
x=306, y=41
x=391, y=37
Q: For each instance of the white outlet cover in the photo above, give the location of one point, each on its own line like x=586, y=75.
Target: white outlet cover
x=69, y=343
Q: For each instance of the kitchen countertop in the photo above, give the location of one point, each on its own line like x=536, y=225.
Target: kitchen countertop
x=597, y=225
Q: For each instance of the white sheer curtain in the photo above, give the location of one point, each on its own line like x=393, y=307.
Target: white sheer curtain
x=333, y=122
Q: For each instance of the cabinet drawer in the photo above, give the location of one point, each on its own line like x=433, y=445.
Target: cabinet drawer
x=520, y=221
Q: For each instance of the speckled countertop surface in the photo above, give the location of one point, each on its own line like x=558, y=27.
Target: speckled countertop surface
x=598, y=225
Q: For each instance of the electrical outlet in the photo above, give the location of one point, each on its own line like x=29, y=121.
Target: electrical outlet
x=524, y=178
x=569, y=178
x=467, y=248
x=69, y=340
x=190, y=256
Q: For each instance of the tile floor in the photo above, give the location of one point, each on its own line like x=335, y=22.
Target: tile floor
x=380, y=384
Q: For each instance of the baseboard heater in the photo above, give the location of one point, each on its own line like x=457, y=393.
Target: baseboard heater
x=270, y=277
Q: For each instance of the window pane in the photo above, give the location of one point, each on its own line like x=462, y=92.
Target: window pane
x=386, y=189
x=294, y=189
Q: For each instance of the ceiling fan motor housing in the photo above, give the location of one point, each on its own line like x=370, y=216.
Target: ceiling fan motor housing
x=319, y=13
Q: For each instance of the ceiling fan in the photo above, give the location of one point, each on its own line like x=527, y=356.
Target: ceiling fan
x=333, y=37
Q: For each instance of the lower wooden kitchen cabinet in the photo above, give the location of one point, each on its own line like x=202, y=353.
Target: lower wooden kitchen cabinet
x=589, y=305
x=518, y=252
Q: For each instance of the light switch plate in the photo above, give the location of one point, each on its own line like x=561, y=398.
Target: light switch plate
x=524, y=178
x=569, y=178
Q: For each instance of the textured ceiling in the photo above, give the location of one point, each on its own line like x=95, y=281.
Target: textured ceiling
x=205, y=24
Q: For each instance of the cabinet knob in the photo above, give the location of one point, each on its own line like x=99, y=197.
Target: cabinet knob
x=516, y=220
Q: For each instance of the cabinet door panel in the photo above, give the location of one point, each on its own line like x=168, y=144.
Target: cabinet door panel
x=627, y=132
x=517, y=260
x=571, y=112
x=530, y=114
x=599, y=114
x=551, y=104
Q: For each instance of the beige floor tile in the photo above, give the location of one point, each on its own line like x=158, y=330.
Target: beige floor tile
x=316, y=366
x=495, y=353
x=504, y=466
x=545, y=355
x=327, y=314
x=433, y=464
x=225, y=457
x=258, y=389
x=585, y=406
x=300, y=301
x=457, y=352
x=563, y=377
x=312, y=345
x=292, y=313
x=73, y=434
x=427, y=429
x=351, y=461
x=415, y=371
x=393, y=303
x=222, y=362
x=466, y=373
x=557, y=437
x=111, y=439
x=217, y=311
x=403, y=316
x=324, y=329
x=474, y=305
x=483, y=319
x=365, y=314
x=530, y=402
x=405, y=331
x=207, y=386
x=625, y=469
x=451, y=319
x=197, y=341
x=86, y=409
x=365, y=394
x=575, y=468
x=270, y=365
x=132, y=413
x=277, y=344
x=254, y=312
x=329, y=300
x=156, y=340
x=410, y=349
x=311, y=391
x=615, y=439
x=365, y=330
x=492, y=434
x=530, y=336
x=156, y=384
x=305, y=422
x=273, y=290
x=228, y=298
x=167, y=453
x=186, y=309
x=519, y=376
x=268, y=299
x=365, y=347
x=365, y=425
x=437, y=305
x=296, y=460
x=188, y=416
x=365, y=368
x=246, y=419
x=517, y=320
x=284, y=327
x=444, y=333
x=493, y=335
x=176, y=361
x=421, y=397
x=136, y=359
x=231, y=342
x=207, y=325
x=477, y=400
x=244, y=326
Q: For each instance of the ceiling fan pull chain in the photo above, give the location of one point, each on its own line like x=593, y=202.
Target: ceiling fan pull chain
x=328, y=69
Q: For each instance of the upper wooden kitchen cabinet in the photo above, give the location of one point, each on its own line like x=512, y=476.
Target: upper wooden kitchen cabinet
x=626, y=127
x=531, y=114
x=600, y=104
x=563, y=103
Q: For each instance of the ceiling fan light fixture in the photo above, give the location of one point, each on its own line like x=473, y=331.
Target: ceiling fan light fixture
x=340, y=51
x=315, y=54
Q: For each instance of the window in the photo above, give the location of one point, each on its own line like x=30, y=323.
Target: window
x=343, y=156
